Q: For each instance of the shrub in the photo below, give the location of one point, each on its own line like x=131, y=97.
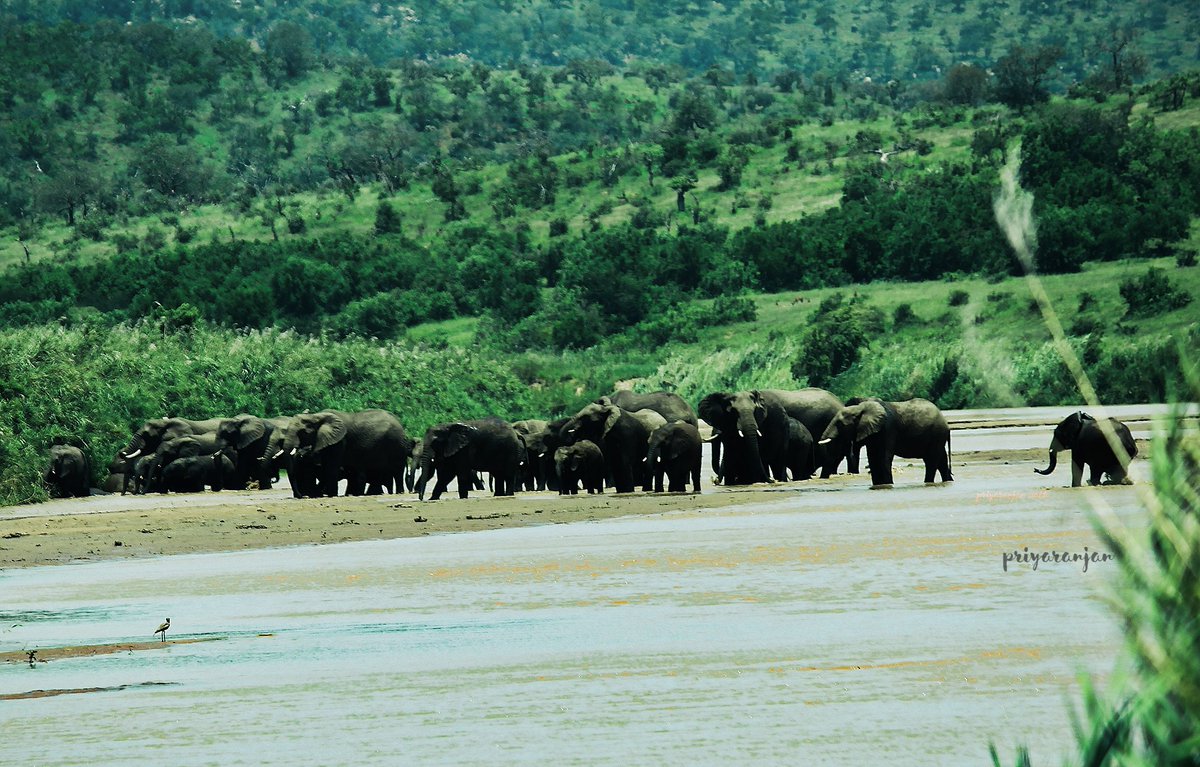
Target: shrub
x=1185, y=258
x=959, y=297
x=296, y=224
x=387, y=220
x=904, y=315
x=558, y=226
x=1152, y=294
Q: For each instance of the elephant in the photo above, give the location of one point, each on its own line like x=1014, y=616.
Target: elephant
x=799, y=455
x=538, y=465
x=815, y=408
x=369, y=448
x=1084, y=436
x=620, y=436
x=582, y=461
x=459, y=450
x=913, y=428
x=192, y=446
x=274, y=458
x=247, y=438
x=651, y=419
x=676, y=450
x=668, y=404
x=753, y=430
x=191, y=473
x=154, y=432
x=70, y=472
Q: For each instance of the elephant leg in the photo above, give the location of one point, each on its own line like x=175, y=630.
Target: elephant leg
x=1097, y=474
x=881, y=467
x=1076, y=472
x=466, y=482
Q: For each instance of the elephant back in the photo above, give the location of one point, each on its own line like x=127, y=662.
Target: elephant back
x=669, y=405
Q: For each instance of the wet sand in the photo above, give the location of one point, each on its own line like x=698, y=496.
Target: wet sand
x=123, y=527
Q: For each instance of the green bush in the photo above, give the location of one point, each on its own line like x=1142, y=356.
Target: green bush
x=1152, y=294
x=904, y=315
x=959, y=298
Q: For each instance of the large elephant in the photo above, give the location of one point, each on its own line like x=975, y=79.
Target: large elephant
x=274, y=458
x=913, y=428
x=539, y=464
x=752, y=430
x=459, y=450
x=367, y=447
x=248, y=438
x=1085, y=437
x=815, y=408
x=622, y=438
x=580, y=462
x=675, y=450
x=154, y=432
x=69, y=474
x=668, y=404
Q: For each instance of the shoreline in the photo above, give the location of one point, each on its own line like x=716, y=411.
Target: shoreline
x=111, y=528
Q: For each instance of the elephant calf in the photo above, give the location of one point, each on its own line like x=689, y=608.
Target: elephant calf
x=1085, y=437
x=675, y=450
x=581, y=461
x=190, y=474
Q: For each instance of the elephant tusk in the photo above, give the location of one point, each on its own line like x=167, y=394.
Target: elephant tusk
x=134, y=454
x=825, y=441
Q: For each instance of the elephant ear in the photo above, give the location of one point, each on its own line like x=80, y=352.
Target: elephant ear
x=458, y=436
x=612, y=415
x=252, y=430
x=870, y=420
x=713, y=408
x=331, y=432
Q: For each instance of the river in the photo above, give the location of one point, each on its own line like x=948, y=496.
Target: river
x=834, y=626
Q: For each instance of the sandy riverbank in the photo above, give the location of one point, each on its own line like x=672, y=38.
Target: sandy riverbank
x=116, y=527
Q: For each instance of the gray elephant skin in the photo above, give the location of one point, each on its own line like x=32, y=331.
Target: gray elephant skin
x=1084, y=436
x=154, y=432
x=247, y=438
x=368, y=447
x=538, y=467
x=751, y=430
x=150, y=473
x=815, y=408
x=620, y=436
x=459, y=450
x=800, y=455
x=675, y=450
x=580, y=462
x=913, y=428
x=669, y=405
x=69, y=474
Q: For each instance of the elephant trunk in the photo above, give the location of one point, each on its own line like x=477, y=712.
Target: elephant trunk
x=1055, y=446
x=749, y=430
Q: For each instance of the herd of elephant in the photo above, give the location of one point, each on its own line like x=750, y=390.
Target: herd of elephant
x=621, y=441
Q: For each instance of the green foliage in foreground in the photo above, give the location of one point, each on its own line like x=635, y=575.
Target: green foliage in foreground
x=1151, y=715
x=99, y=384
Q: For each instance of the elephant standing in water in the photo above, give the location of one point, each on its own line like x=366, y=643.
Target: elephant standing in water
x=753, y=430
x=368, y=447
x=1084, y=436
x=914, y=428
x=459, y=450
x=815, y=408
x=70, y=472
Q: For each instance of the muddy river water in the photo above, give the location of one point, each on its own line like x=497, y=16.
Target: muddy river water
x=837, y=625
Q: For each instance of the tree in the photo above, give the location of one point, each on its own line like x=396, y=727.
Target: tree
x=1021, y=75
x=289, y=49
x=684, y=182
x=965, y=84
x=1122, y=62
x=387, y=220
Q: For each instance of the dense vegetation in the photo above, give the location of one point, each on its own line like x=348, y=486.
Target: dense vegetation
x=581, y=195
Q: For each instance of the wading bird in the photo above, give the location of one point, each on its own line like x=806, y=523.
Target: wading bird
x=163, y=629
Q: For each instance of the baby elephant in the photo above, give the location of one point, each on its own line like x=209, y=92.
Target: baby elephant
x=1084, y=436
x=69, y=473
x=675, y=450
x=581, y=461
x=191, y=473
